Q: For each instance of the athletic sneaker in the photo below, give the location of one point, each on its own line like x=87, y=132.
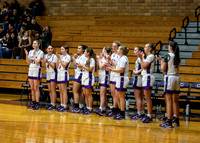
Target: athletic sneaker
x=119, y=117
x=111, y=114
x=166, y=125
x=101, y=113
x=31, y=106
x=75, y=110
x=36, y=107
x=82, y=109
x=176, y=121
x=163, y=118
x=135, y=117
x=143, y=117
x=48, y=107
x=97, y=111
x=51, y=108
x=87, y=112
x=63, y=109
x=147, y=120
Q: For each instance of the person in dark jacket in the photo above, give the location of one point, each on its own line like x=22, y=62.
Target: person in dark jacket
x=37, y=8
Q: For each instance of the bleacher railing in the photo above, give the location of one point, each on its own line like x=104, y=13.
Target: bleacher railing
x=157, y=53
x=170, y=34
x=185, y=27
x=197, y=14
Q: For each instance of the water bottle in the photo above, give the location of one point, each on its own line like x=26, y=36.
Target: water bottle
x=157, y=109
x=160, y=109
x=187, y=109
x=71, y=101
x=127, y=104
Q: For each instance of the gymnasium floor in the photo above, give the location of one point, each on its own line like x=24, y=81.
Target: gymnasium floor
x=21, y=125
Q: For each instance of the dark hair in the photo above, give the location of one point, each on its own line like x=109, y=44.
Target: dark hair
x=117, y=42
x=108, y=49
x=91, y=55
x=140, y=49
x=39, y=43
x=66, y=48
x=175, y=48
x=84, y=47
x=124, y=50
x=152, y=46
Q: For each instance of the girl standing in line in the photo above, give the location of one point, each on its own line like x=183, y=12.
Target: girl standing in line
x=77, y=89
x=63, y=62
x=148, y=65
x=122, y=80
x=103, y=79
x=137, y=86
x=50, y=61
x=87, y=82
x=34, y=58
x=170, y=66
x=113, y=61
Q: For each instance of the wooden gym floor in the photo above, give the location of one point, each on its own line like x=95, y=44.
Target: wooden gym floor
x=19, y=124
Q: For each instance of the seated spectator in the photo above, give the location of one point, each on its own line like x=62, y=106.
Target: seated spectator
x=37, y=8
x=4, y=44
x=15, y=5
x=12, y=18
x=2, y=33
x=11, y=29
x=21, y=32
x=24, y=43
x=46, y=37
x=27, y=23
x=12, y=42
x=4, y=11
x=35, y=27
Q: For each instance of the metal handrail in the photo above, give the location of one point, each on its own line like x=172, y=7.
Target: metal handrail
x=170, y=34
x=185, y=27
x=157, y=53
x=197, y=16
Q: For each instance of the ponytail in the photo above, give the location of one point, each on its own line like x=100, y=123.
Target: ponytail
x=124, y=50
x=91, y=55
x=175, y=48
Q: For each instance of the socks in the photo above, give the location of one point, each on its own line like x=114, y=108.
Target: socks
x=80, y=105
x=122, y=113
x=149, y=115
x=34, y=102
x=89, y=108
x=76, y=105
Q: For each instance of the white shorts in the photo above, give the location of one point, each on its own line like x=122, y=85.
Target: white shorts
x=35, y=73
x=137, y=82
x=112, y=78
x=51, y=77
x=87, y=82
x=103, y=80
x=171, y=84
x=121, y=83
x=148, y=81
x=78, y=77
x=62, y=77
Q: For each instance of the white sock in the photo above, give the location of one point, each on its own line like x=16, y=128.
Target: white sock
x=80, y=105
x=103, y=109
x=149, y=115
x=139, y=112
x=89, y=108
x=100, y=107
x=53, y=104
x=64, y=106
x=166, y=114
x=142, y=112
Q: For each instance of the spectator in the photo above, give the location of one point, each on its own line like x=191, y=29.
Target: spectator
x=24, y=43
x=11, y=29
x=15, y=5
x=12, y=42
x=4, y=44
x=35, y=27
x=21, y=32
x=12, y=18
x=27, y=23
x=46, y=37
x=4, y=12
x=2, y=34
x=37, y=8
